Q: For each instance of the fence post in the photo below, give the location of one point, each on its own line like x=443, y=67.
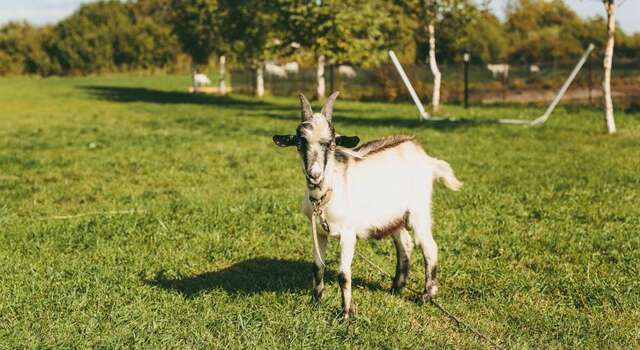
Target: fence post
x=466, y=80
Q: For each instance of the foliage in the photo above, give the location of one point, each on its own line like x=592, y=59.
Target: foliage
x=539, y=249
x=198, y=25
x=122, y=35
x=250, y=27
x=102, y=36
x=542, y=30
x=343, y=31
x=22, y=49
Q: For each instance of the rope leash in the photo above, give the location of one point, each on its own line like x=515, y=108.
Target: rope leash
x=458, y=321
x=317, y=213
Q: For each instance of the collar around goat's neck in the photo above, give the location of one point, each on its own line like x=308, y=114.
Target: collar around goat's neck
x=320, y=195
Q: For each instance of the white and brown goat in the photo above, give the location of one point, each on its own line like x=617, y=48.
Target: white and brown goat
x=382, y=188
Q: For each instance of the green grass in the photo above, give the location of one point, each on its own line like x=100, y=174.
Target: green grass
x=540, y=249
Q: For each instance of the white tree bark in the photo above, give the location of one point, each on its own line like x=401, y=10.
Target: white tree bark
x=435, y=100
x=320, y=75
x=608, y=61
x=223, y=86
x=194, y=71
x=260, y=80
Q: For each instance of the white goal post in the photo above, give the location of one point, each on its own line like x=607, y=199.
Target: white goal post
x=538, y=121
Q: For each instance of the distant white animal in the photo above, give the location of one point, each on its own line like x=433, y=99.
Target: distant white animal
x=200, y=79
x=499, y=69
x=534, y=68
x=273, y=69
x=292, y=67
x=347, y=71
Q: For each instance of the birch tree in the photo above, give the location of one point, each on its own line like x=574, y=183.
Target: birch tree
x=433, y=65
x=426, y=15
x=198, y=25
x=608, y=62
x=340, y=32
x=251, y=30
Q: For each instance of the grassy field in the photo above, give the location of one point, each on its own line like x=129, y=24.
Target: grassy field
x=541, y=248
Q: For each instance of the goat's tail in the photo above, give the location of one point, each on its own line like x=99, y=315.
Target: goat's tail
x=442, y=170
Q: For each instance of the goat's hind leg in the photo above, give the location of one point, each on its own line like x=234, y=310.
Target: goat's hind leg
x=318, y=268
x=404, y=247
x=421, y=224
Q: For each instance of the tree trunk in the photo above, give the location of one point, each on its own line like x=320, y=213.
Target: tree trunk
x=608, y=61
x=194, y=71
x=223, y=86
x=435, y=100
x=320, y=75
x=260, y=80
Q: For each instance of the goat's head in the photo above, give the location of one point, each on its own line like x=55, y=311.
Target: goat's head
x=316, y=139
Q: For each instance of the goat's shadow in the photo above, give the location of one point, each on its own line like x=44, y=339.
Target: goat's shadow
x=251, y=276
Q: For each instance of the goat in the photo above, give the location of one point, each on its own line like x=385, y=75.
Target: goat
x=292, y=67
x=499, y=70
x=275, y=70
x=382, y=188
x=200, y=79
x=347, y=71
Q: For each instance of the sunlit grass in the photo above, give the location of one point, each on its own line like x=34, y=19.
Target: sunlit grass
x=539, y=249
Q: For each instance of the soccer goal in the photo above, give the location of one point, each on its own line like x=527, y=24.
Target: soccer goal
x=538, y=121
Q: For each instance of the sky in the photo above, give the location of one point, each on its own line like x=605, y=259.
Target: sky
x=50, y=11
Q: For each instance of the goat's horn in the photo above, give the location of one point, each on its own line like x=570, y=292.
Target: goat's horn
x=307, y=113
x=327, y=109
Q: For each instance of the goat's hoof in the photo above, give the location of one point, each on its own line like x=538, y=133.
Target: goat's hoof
x=429, y=292
x=350, y=313
x=397, y=287
x=316, y=296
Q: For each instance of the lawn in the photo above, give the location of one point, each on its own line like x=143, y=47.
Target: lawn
x=133, y=214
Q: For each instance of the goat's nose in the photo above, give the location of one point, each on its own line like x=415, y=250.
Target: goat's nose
x=315, y=172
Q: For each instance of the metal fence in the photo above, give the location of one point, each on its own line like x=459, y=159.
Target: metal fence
x=522, y=84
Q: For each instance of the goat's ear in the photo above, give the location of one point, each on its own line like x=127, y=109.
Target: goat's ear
x=285, y=140
x=347, y=141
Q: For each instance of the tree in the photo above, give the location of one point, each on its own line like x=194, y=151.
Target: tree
x=426, y=15
x=106, y=36
x=337, y=32
x=252, y=35
x=22, y=49
x=610, y=7
x=543, y=30
x=198, y=24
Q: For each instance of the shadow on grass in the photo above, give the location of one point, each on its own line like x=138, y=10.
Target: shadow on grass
x=251, y=276
x=274, y=111
x=385, y=121
x=139, y=94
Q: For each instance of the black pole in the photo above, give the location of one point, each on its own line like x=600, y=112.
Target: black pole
x=466, y=80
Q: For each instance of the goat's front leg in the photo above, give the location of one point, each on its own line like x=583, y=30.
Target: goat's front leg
x=318, y=267
x=347, y=249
